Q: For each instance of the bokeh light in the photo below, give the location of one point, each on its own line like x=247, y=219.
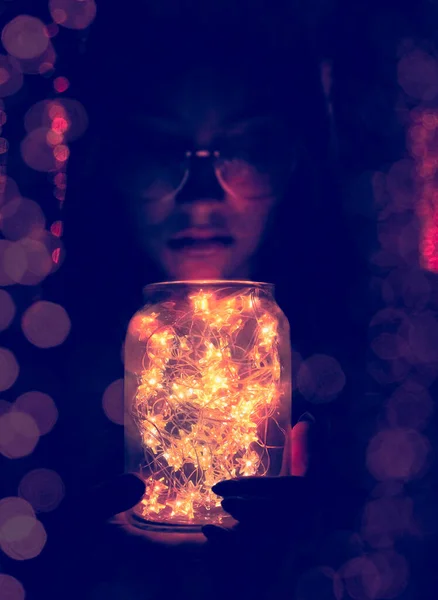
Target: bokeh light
x=22, y=537
x=61, y=84
x=24, y=37
x=320, y=378
x=37, y=153
x=389, y=346
x=361, y=578
x=61, y=152
x=393, y=573
x=11, y=78
x=52, y=29
x=4, y=145
x=9, y=369
x=410, y=406
x=40, y=407
x=73, y=14
x=400, y=184
x=46, y=324
x=387, y=519
x=7, y=310
x=418, y=75
x=13, y=262
x=389, y=372
x=20, y=218
x=397, y=454
x=41, y=65
x=5, y=406
x=56, y=227
x=423, y=337
x=8, y=189
x=112, y=402
x=63, y=115
x=411, y=285
x=13, y=506
x=53, y=138
x=11, y=588
x=37, y=261
x=43, y=489
x=19, y=434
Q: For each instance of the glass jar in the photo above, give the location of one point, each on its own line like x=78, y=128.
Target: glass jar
x=207, y=396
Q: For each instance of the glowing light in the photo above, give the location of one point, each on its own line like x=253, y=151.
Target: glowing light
x=13, y=262
x=8, y=189
x=38, y=263
x=410, y=406
x=43, y=489
x=4, y=76
x=37, y=153
x=51, y=30
x=361, y=578
x=19, y=434
x=45, y=68
x=418, y=75
x=11, y=588
x=320, y=378
x=7, y=310
x=13, y=506
x=11, y=78
x=40, y=407
x=61, y=84
x=386, y=520
x=56, y=255
x=21, y=218
x=4, y=145
x=207, y=394
x=9, y=369
x=397, y=454
x=64, y=115
x=61, y=152
x=24, y=37
x=56, y=228
x=54, y=138
x=46, y=324
x=60, y=125
x=112, y=402
x=60, y=180
x=22, y=537
x=73, y=14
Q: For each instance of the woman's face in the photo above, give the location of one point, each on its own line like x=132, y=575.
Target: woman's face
x=205, y=166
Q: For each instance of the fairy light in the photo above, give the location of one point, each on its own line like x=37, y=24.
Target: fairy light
x=208, y=392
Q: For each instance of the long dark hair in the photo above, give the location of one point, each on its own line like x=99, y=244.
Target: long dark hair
x=307, y=254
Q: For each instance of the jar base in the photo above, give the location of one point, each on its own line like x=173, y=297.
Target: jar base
x=142, y=523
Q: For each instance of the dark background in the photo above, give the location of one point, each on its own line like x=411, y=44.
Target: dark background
x=373, y=110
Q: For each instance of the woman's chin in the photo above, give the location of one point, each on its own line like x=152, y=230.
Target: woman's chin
x=186, y=268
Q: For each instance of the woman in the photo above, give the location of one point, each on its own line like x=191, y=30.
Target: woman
x=207, y=156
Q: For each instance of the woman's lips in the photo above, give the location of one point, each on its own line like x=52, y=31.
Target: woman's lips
x=200, y=246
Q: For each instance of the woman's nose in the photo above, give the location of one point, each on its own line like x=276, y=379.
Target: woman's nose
x=202, y=183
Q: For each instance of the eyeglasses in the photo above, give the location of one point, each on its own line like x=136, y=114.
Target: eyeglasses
x=251, y=172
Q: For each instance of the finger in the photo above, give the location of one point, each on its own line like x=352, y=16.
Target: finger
x=246, y=510
x=265, y=487
x=300, y=445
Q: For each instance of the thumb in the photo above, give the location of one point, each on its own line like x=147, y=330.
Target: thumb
x=299, y=445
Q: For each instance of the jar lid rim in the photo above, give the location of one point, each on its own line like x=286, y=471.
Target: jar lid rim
x=211, y=282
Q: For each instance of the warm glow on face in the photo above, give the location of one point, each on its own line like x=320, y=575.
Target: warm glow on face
x=208, y=390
